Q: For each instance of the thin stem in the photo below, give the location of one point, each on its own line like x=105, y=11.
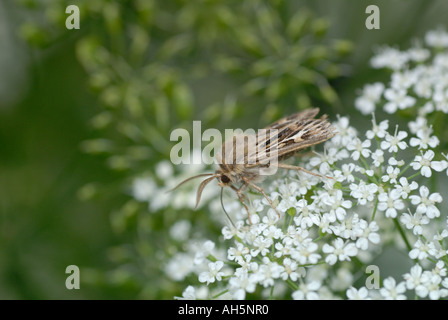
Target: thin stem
x=271, y=294
x=292, y=284
x=403, y=235
x=374, y=210
x=404, y=170
x=220, y=294
x=413, y=176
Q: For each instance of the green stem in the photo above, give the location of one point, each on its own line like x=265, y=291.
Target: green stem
x=292, y=284
x=220, y=294
x=271, y=294
x=311, y=264
x=374, y=210
x=413, y=176
x=404, y=170
x=358, y=262
x=403, y=235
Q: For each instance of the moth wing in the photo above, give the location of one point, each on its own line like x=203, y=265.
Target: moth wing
x=291, y=134
x=293, y=118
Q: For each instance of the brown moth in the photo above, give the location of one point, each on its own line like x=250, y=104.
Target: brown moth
x=242, y=157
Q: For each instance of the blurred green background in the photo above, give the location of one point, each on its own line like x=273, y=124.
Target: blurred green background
x=50, y=91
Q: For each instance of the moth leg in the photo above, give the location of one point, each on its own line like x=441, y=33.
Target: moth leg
x=242, y=198
x=263, y=193
x=239, y=191
x=290, y=167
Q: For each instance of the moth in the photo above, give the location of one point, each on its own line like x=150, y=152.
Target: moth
x=242, y=158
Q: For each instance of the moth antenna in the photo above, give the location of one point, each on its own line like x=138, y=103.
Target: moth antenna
x=222, y=204
x=191, y=178
x=201, y=188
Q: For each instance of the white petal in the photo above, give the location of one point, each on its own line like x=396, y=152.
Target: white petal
x=439, y=165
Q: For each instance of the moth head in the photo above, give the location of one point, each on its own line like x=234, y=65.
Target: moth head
x=223, y=178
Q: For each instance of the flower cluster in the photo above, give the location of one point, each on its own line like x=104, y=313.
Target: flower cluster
x=330, y=228
x=378, y=192
x=418, y=81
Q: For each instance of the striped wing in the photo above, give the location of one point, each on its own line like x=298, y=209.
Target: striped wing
x=288, y=135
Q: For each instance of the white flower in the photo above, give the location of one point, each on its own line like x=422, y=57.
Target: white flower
x=395, y=162
x=363, y=192
x=426, y=202
x=350, y=228
x=188, y=294
x=238, y=252
x=281, y=250
x=431, y=288
x=214, y=273
x=393, y=143
x=288, y=192
x=420, y=251
x=164, y=170
x=346, y=132
x=392, y=174
x=446, y=162
x=206, y=249
x=369, y=234
x=403, y=79
x=378, y=130
x=307, y=214
x=414, y=222
x=418, y=53
x=424, y=88
x=424, y=139
x=390, y=202
x=388, y=57
x=180, y=230
x=359, y=148
x=272, y=232
x=393, y=291
x=336, y=204
x=261, y=245
x=304, y=253
x=268, y=272
x=246, y=263
x=378, y=157
x=339, y=251
x=439, y=269
x=419, y=123
x=358, y=294
x=440, y=98
x=143, y=189
x=289, y=271
x=347, y=170
x=436, y=250
x=241, y=283
x=397, y=99
x=405, y=188
x=370, y=96
x=424, y=163
x=230, y=231
x=295, y=236
x=307, y=291
x=437, y=38
x=325, y=223
x=342, y=280
x=415, y=277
